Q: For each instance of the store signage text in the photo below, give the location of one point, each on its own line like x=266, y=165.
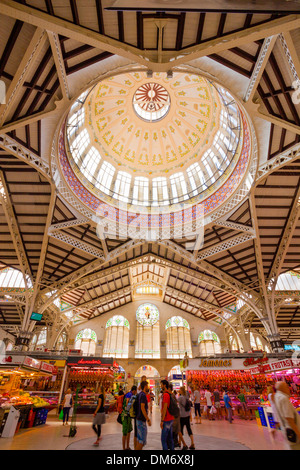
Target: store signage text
x=276, y=366
x=215, y=363
x=251, y=361
x=30, y=362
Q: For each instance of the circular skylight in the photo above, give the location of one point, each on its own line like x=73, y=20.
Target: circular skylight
x=154, y=144
x=151, y=102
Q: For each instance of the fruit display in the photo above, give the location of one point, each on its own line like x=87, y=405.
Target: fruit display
x=22, y=399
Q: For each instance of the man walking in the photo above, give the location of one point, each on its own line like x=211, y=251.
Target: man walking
x=142, y=418
x=228, y=406
x=289, y=419
x=166, y=423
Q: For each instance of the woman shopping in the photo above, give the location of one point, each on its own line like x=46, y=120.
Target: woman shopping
x=66, y=406
x=99, y=416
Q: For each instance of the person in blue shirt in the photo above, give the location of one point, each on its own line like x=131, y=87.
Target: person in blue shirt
x=228, y=405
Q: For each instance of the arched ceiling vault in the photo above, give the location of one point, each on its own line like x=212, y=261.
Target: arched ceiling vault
x=50, y=52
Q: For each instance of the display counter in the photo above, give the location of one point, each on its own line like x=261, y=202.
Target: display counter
x=87, y=403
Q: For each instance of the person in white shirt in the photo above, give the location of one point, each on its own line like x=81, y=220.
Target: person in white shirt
x=197, y=406
x=208, y=398
x=66, y=406
x=288, y=417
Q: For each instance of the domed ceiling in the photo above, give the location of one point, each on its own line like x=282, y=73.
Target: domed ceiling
x=155, y=126
x=155, y=146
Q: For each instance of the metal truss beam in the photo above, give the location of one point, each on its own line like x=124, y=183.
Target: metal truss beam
x=224, y=246
x=35, y=46
x=62, y=285
x=76, y=243
x=10, y=145
x=277, y=162
x=284, y=244
x=59, y=64
x=68, y=224
x=14, y=231
x=260, y=65
x=235, y=226
x=104, y=299
x=149, y=59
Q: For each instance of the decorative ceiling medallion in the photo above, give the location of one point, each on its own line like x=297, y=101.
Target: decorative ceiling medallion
x=151, y=102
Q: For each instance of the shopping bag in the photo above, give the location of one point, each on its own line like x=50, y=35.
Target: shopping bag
x=71, y=411
x=213, y=410
x=61, y=415
x=119, y=418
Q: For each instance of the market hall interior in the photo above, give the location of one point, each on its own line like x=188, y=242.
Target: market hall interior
x=149, y=216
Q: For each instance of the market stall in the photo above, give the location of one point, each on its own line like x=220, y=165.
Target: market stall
x=89, y=374
x=15, y=374
x=227, y=374
x=287, y=370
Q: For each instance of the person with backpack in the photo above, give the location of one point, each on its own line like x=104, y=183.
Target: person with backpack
x=127, y=415
x=177, y=436
x=167, y=418
x=185, y=413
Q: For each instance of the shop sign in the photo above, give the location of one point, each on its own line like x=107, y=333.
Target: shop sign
x=57, y=364
x=276, y=366
x=32, y=363
x=47, y=367
x=92, y=362
x=11, y=361
x=215, y=364
x=251, y=361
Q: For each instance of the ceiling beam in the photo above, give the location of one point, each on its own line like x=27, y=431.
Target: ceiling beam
x=36, y=44
x=59, y=64
x=260, y=65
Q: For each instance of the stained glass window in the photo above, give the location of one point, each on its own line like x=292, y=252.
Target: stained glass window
x=178, y=338
x=86, y=341
x=148, y=335
x=147, y=314
x=209, y=343
x=208, y=335
x=116, y=341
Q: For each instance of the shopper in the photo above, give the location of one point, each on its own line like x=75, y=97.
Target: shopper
x=217, y=403
x=208, y=398
x=288, y=417
x=177, y=436
x=228, y=406
x=271, y=397
x=166, y=423
x=185, y=417
x=99, y=415
x=127, y=416
x=242, y=399
x=197, y=408
x=142, y=418
x=66, y=406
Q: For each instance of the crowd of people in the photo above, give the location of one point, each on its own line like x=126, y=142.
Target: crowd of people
x=134, y=410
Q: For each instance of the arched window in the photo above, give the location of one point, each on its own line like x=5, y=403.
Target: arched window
x=116, y=341
x=178, y=338
x=209, y=343
x=62, y=342
x=86, y=341
x=147, y=335
x=42, y=339
x=235, y=343
x=256, y=343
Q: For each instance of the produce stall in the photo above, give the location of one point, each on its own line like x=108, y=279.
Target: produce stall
x=15, y=373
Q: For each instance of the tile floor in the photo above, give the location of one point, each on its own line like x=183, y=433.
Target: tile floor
x=54, y=436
